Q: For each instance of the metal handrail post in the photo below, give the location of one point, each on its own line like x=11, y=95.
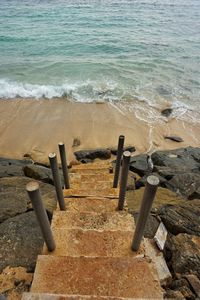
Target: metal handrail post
x=57, y=181
x=33, y=191
x=118, y=160
x=123, y=180
x=147, y=201
x=64, y=164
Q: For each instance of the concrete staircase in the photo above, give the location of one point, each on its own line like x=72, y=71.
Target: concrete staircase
x=93, y=257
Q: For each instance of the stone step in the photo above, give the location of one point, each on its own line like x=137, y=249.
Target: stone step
x=92, y=220
x=39, y=296
x=92, y=243
x=118, y=277
x=92, y=166
x=95, y=185
x=105, y=193
x=94, y=171
x=76, y=177
x=92, y=204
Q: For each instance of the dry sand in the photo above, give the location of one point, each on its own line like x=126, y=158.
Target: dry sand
x=37, y=126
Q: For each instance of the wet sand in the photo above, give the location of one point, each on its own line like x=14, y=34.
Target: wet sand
x=35, y=127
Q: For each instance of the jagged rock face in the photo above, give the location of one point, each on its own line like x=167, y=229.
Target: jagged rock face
x=182, y=218
x=14, y=198
x=13, y=167
x=178, y=170
x=21, y=241
x=184, y=255
x=90, y=155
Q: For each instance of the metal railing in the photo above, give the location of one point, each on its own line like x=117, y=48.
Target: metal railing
x=63, y=159
x=57, y=181
x=147, y=201
x=118, y=160
x=123, y=179
x=33, y=191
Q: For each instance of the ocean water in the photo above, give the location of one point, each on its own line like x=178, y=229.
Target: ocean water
x=113, y=50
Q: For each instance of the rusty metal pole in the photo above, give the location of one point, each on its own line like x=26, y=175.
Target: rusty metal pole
x=147, y=201
x=118, y=160
x=123, y=180
x=36, y=200
x=57, y=181
x=64, y=164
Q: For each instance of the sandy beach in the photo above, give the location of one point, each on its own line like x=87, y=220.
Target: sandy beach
x=35, y=127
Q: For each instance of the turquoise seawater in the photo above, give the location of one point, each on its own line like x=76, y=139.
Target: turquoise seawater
x=146, y=50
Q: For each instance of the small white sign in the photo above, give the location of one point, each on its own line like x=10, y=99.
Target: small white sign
x=161, y=236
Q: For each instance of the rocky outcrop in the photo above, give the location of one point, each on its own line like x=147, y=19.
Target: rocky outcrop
x=184, y=254
x=139, y=165
x=13, y=167
x=182, y=218
x=90, y=155
x=21, y=241
x=14, y=199
x=186, y=184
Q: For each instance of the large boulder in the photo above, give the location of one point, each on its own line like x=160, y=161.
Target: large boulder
x=139, y=165
x=186, y=184
x=41, y=173
x=163, y=196
x=184, y=254
x=182, y=218
x=13, y=167
x=21, y=241
x=14, y=199
x=180, y=160
x=92, y=154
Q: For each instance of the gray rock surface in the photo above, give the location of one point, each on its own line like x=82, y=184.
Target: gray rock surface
x=186, y=184
x=185, y=254
x=14, y=198
x=182, y=218
x=21, y=241
x=138, y=164
x=13, y=167
x=93, y=154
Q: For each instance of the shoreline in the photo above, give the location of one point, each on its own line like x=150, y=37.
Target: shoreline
x=35, y=127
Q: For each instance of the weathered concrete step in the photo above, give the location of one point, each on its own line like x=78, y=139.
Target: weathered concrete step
x=93, y=204
x=76, y=177
x=38, y=296
x=92, y=166
x=100, y=276
x=92, y=220
x=97, y=186
x=92, y=243
x=107, y=192
x=91, y=171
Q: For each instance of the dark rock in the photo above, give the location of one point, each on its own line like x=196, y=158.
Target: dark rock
x=11, y=205
x=21, y=241
x=182, y=218
x=185, y=254
x=13, y=167
x=85, y=160
x=171, y=294
x=14, y=198
x=194, y=282
x=93, y=154
x=142, y=181
x=167, y=112
x=139, y=165
x=127, y=148
x=174, y=138
x=151, y=225
x=182, y=160
x=76, y=142
x=176, y=284
x=186, y=184
x=40, y=173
